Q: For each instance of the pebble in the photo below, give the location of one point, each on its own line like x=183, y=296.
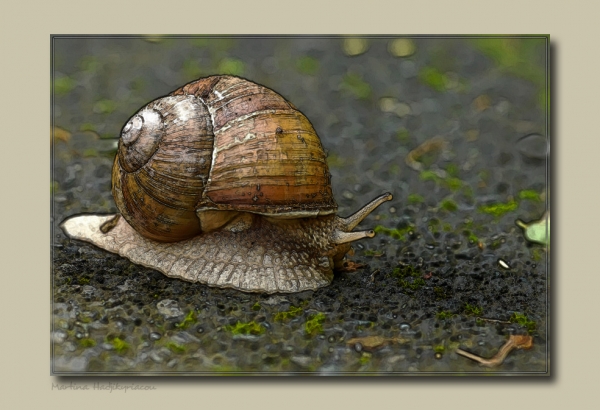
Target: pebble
x=534, y=146
x=303, y=361
x=169, y=308
x=503, y=264
x=404, y=327
x=155, y=356
x=274, y=300
x=395, y=358
x=59, y=336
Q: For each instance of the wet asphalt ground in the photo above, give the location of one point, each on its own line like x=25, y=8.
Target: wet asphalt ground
x=455, y=128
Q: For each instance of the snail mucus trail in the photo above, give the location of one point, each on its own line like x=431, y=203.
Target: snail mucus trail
x=224, y=182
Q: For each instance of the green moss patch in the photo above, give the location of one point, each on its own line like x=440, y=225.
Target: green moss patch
x=370, y=252
x=444, y=315
x=189, y=320
x=307, y=65
x=515, y=56
x=120, y=345
x=433, y=78
x=448, y=205
x=403, y=135
x=469, y=234
x=314, y=324
x=87, y=342
x=530, y=195
x=105, y=106
x=473, y=310
x=399, y=233
x=498, y=209
x=355, y=85
x=250, y=328
x=291, y=313
x=415, y=199
x=175, y=348
x=414, y=284
x=439, y=292
x=451, y=182
x=409, y=277
x=63, y=85
x=523, y=321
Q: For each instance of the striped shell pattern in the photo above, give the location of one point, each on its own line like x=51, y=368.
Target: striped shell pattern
x=220, y=143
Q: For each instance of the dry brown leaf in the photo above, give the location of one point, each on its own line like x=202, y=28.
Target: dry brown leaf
x=482, y=103
x=60, y=134
x=513, y=342
x=433, y=144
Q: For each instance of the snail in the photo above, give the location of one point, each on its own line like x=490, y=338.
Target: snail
x=224, y=182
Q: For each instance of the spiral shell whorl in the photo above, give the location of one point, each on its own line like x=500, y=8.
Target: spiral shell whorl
x=161, y=168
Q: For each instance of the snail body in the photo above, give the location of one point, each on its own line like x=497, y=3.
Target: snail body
x=225, y=182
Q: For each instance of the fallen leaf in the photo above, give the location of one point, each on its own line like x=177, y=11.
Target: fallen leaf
x=433, y=144
x=482, y=103
x=513, y=342
x=537, y=231
x=60, y=134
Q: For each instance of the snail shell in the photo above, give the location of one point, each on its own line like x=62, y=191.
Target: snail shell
x=225, y=182
x=221, y=143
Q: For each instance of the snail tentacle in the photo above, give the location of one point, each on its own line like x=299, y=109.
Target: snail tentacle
x=340, y=237
x=353, y=220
